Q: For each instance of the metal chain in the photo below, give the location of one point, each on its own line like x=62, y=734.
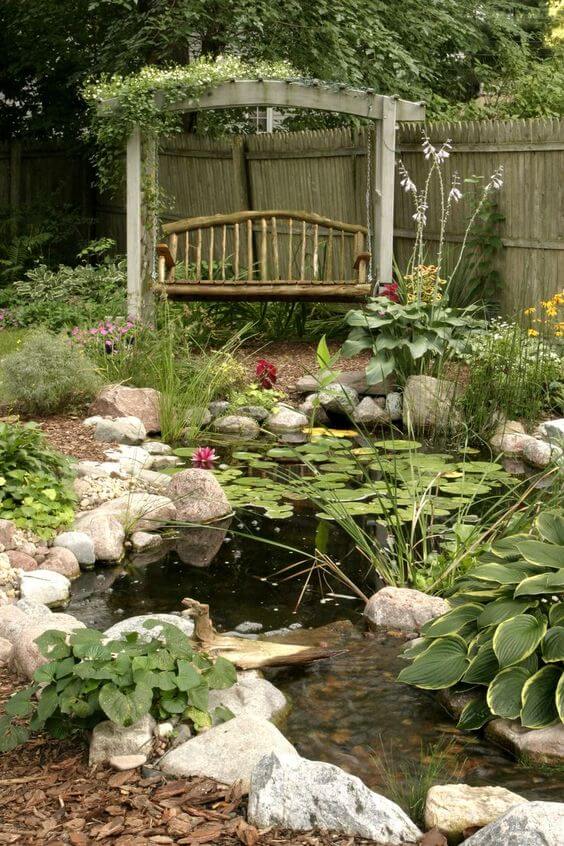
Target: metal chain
x=368, y=203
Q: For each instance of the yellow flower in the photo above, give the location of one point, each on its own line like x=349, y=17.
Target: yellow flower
x=533, y=333
x=530, y=310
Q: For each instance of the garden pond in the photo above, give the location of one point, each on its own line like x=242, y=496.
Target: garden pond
x=349, y=708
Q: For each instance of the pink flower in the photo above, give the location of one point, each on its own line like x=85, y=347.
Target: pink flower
x=390, y=291
x=266, y=373
x=204, y=457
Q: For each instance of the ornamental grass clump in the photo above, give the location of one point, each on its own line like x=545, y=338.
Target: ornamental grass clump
x=47, y=374
x=503, y=640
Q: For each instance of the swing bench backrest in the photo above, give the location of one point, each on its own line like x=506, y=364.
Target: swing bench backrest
x=264, y=255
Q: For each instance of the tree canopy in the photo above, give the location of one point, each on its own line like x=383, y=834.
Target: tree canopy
x=437, y=50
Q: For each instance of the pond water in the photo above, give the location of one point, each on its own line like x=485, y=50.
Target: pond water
x=345, y=709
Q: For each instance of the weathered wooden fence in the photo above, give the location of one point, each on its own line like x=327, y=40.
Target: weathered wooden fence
x=325, y=172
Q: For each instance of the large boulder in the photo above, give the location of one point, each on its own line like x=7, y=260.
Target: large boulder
x=313, y=410
x=370, y=412
x=529, y=824
x=430, y=403
x=80, y=544
x=355, y=379
x=403, y=608
x=339, y=399
x=131, y=460
x=452, y=808
x=394, y=405
x=63, y=561
x=286, y=420
x=9, y=578
x=107, y=535
x=257, y=412
x=109, y=740
x=539, y=746
x=553, y=429
x=227, y=753
x=509, y=437
x=6, y=652
x=237, y=425
x=121, y=401
x=251, y=695
x=120, y=430
x=136, y=511
x=27, y=657
x=297, y=794
x=21, y=560
x=198, y=497
x=136, y=624
x=45, y=586
x=7, y=534
x=540, y=453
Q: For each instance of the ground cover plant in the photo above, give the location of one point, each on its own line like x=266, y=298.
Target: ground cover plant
x=504, y=637
x=35, y=481
x=88, y=678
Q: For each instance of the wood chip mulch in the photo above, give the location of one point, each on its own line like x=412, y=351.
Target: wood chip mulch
x=68, y=435
x=49, y=795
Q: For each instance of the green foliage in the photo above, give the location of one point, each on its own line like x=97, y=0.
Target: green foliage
x=253, y=394
x=142, y=99
x=88, y=679
x=35, y=481
x=505, y=632
x=407, y=782
x=509, y=372
x=68, y=296
x=47, y=374
x=407, y=339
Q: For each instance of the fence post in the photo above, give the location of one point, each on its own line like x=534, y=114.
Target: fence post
x=140, y=169
x=384, y=178
x=241, y=186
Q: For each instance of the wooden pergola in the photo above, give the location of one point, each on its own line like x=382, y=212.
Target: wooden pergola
x=384, y=111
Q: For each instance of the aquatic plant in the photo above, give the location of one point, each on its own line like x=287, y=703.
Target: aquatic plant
x=504, y=637
x=88, y=679
x=203, y=457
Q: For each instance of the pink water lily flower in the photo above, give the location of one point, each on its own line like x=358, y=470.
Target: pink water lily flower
x=204, y=457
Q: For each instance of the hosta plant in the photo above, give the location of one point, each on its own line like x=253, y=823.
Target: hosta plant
x=504, y=636
x=405, y=339
x=89, y=678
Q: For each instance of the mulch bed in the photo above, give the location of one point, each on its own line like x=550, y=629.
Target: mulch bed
x=48, y=794
x=68, y=435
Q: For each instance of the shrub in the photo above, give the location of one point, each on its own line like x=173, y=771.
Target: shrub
x=35, y=482
x=47, y=374
x=504, y=637
x=88, y=679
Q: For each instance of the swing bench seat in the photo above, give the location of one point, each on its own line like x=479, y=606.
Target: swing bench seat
x=264, y=255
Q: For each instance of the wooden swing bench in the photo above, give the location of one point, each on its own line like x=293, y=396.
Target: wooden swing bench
x=264, y=255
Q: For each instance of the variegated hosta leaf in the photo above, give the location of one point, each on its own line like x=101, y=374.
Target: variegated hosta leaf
x=546, y=554
x=560, y=697
x=475, y=714
x=440, y=666
x=549, y=583
x=503, y=574
x=452, y=621
x=539, y=698
x=502, y=609
x=556, y=614
x=504, y=692
x=517, y=638
x=483, y=666
x=553, y=645
x=551, y=527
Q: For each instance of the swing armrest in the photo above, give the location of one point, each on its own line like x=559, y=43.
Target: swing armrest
x=361, y=257
x=163, y=250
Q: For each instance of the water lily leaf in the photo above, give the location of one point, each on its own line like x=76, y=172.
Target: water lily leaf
x=397, y=445
x=465, y=486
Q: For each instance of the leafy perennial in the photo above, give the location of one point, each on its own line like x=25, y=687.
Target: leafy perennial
x=88, y=678
x=504, y=634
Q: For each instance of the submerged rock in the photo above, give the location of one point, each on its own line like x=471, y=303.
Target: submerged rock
x=294, y=793
x=452, y=808
x=539, y=746
x=123, y=401
x=198, y=546
x=109, y=740
x=198, y=497
x=530, y=824
x=403, y=608
x=227, y=753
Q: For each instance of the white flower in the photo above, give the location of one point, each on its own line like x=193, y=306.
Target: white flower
x=408, y=185
x=455, y=194
x=428, y=149
x=421, y=214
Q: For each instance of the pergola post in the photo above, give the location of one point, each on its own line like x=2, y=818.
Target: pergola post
x=140, y=169
x=383, y=200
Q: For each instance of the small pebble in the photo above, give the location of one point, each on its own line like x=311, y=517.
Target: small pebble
x=127, y=762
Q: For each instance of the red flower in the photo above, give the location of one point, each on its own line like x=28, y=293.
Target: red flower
x=265, y=373
x=391, y=291
x=204, y=457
